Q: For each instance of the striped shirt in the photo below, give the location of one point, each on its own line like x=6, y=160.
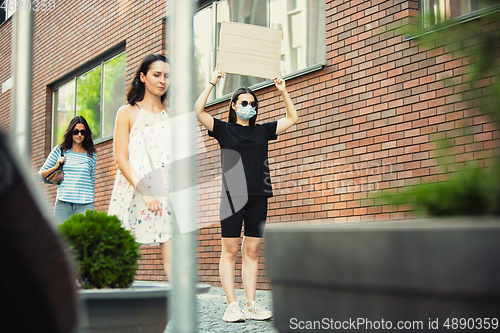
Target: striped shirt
x=78, y=185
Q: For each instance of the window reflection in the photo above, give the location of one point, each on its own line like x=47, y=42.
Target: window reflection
x=114, y=92
x=249, y=12
x=88, y=99
x=63, y=110
x=301, y=21
x=303, y=26
x=96, y=95
x=438, y=11
x=203, y=47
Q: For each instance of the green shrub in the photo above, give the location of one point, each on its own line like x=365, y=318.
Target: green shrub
x=472, y=191
x=106, y=254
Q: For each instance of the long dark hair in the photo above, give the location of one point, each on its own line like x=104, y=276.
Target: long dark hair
x=138, y=89
x=87, y=143
x=232, y=113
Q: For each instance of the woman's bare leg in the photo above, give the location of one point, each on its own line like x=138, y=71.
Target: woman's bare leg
x=227, y=266
x=165, y=251
x=250, y=267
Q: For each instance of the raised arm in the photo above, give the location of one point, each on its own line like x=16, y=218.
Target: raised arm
x=199, y=107
x=292, y=116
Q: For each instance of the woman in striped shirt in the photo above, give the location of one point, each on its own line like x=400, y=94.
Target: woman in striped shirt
x=76, y=192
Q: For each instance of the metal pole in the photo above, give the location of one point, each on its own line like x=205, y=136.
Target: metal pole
x=181, y=101
x=21, y=94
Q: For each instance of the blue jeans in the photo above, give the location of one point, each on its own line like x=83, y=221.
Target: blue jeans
x=63, y=210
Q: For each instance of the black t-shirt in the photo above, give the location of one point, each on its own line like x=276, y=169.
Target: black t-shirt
x=251, y=143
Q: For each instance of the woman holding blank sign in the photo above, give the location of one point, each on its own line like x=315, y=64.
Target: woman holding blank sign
x=243, y=142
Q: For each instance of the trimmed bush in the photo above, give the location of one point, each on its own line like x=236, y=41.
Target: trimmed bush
x=106, y=253
x=472, y=191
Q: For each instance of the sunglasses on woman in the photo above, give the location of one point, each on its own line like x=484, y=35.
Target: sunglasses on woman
x=245, y=103
x=83, y=132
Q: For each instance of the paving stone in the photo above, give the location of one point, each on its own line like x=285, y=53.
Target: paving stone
x=211, y=307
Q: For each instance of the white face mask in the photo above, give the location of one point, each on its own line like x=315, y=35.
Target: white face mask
x=246, y=112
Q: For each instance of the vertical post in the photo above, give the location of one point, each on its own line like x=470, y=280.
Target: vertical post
x=181, y=101
x=22, y=57
x=22, y=72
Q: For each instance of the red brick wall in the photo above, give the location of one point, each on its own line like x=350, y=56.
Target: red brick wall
x=5, y=74
x=73, y=34
x=65, y=39
x=368, y=121
x=368, y=117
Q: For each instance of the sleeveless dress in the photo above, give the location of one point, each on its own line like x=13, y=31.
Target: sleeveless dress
x=149, y=155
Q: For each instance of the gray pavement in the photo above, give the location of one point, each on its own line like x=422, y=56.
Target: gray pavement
x=211, y=308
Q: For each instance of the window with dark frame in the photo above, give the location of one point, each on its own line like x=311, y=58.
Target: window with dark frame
x=95, y=93
x=302, y=23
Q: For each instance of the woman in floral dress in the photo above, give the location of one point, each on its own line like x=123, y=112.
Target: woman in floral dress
x=140, y=193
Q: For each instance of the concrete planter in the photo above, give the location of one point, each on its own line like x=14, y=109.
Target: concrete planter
x=370, y=276
x=141, y=308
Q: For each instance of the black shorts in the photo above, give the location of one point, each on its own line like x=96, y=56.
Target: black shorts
x=254, y=213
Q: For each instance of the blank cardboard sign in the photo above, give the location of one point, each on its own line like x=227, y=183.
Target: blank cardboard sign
x=251, y=50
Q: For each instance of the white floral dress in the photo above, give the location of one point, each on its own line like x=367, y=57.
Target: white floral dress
x=149, y=155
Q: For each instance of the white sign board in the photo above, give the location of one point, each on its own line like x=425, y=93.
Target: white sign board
x=250, y=50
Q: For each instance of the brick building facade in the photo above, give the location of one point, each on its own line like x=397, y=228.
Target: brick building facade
x=368, y=117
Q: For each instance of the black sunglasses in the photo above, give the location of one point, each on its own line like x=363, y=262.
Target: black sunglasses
x=245, y=103
x=83, y=132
